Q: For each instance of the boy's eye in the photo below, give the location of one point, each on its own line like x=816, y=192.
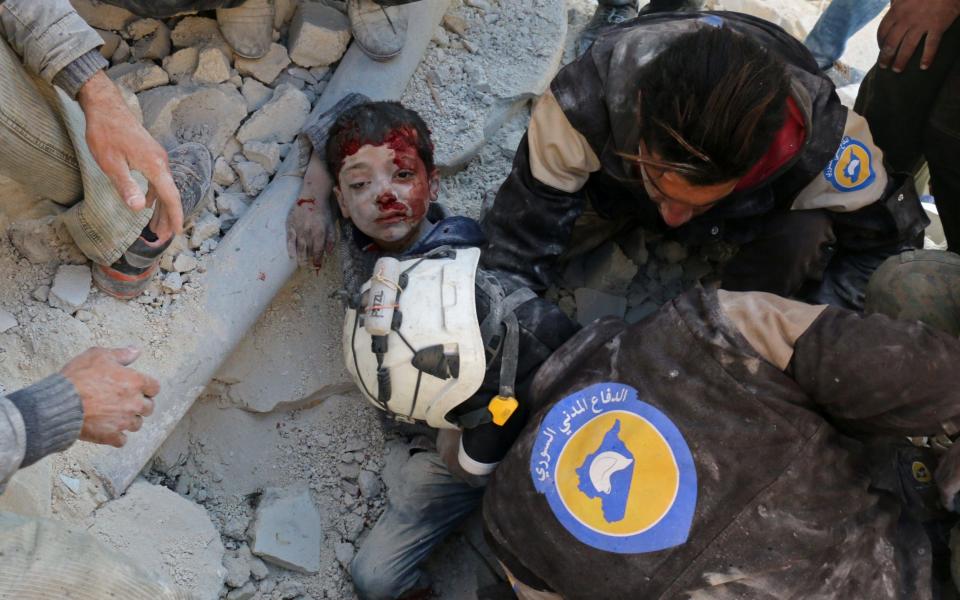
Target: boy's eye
x=358, y=185
x=404, y=174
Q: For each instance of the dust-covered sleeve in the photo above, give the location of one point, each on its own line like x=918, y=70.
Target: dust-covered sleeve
x=866, y=373
x=876, y=374
x=531, y=219
x=13, y=441
x=53, y=41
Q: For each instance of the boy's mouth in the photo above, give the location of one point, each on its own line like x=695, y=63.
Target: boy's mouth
x=392, y=217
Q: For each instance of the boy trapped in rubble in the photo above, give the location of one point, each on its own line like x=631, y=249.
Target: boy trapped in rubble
x=430, y=337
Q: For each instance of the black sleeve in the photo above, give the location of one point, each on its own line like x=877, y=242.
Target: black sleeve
x=529, y=224
x=879, y=375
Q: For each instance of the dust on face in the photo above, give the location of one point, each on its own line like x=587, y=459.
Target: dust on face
x=386, y=190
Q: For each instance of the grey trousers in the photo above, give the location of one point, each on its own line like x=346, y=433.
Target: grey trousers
x=49, y=560
x=42, y=147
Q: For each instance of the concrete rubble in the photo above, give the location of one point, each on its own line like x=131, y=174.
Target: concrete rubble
x=71, y=286
x=288, y=530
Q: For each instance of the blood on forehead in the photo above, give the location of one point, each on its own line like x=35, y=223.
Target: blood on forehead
x=402, y=140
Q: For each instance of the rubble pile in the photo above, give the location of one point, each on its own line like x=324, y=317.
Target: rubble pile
x=631, y=276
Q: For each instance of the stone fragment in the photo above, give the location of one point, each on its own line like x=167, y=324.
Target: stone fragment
x=173, y=282
x=200, y=32
x=369, y=483
x=138, y=77
x=41, y=293
x=168, y=534
x=122, y=54
x=208, y=115
x=671, y=272
x=71, y=483
x=84, y=316
x=155, y=46
x=246, y=592
x=671, y=251
x=593, y=304
x=222, y=173
x=7, y=321
x=634, y=245
x=258, y=568
x=253, y=177
x=102, y=15
x=255, y=93
x=184, y=263
x=213, y=67
x=204, y=227
x=71, y=286
x=266, y=154
x=641, y=312
x=287, y=530
x=290, y=588
x=457, y=25
x=232, y=204
x=319, y=35
x=166, y=261
x=237, y=564
x=111, y=41
x=181, y=64
x=607, y=269
x=44, y=240
x=265, y=69
x=267, y=586
x=279, y=120
x=344, y=552
x=141, y=28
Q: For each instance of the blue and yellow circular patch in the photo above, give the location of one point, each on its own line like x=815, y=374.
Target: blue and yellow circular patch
x=852, y=166
x=616, y=471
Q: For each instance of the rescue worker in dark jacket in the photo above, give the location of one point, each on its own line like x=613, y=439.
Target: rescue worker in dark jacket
x=718, y=450
x=708, y=127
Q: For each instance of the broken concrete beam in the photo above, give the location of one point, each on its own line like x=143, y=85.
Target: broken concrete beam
x=287, y=530
x=319, y=35
x=251, y=262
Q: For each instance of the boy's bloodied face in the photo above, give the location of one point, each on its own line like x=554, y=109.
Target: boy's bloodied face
x=386, y=190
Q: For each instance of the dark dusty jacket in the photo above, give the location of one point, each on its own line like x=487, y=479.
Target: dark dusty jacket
x=761, y=399
x=574, y=156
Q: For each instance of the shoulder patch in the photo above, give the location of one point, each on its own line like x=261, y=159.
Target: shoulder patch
x=852, y=166
x=617, y=473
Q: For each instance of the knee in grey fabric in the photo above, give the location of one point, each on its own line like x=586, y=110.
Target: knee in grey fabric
x=919, y=285
x=371, y=580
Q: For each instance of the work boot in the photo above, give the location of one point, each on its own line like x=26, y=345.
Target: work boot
x=192, y=168
x=248, y=28
x=606, y=16
x=379, y=30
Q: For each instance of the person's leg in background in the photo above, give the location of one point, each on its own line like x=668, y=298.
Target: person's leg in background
x=941, y=147
x=913, y=117
x=611, y=12
x=423, y=509
x=42, y=147
x=842, y=18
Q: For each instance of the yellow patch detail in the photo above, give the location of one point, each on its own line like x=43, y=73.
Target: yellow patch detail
x=854, y=167
x=920, y=472
x=655, y=481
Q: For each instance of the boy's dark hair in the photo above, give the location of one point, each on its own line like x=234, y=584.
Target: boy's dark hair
x=376, y=123
x=711, y=104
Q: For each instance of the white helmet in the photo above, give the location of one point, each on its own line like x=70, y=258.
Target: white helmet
x=415, y=349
